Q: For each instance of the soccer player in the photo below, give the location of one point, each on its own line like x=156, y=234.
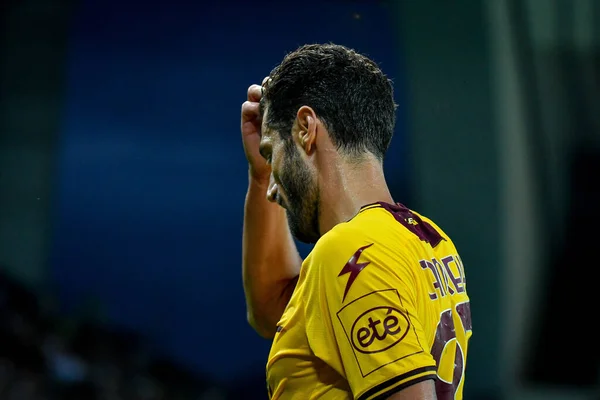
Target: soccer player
x=379, y=309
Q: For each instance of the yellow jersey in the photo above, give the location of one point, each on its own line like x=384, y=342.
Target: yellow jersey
x=380, y=304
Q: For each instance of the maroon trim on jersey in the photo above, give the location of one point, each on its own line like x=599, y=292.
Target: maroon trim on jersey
x=372, y=204
x=382, y=386
x=422, y=229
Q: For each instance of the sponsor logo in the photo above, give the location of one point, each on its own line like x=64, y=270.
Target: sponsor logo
x=379, y=329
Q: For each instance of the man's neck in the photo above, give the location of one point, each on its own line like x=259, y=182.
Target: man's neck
x=345, y=188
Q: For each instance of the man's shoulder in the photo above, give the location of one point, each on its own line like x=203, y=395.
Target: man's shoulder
x=372, y=225
x=331, y=250
x=336, y=254
x=339, y=240
x=347, y=242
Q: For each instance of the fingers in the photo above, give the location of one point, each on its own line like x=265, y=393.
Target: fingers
x=254, y=93
x=251, y=107
x=250, y=110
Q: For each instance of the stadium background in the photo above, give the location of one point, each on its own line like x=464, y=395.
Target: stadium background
x=122, y=181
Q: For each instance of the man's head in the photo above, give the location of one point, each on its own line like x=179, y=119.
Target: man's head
x=326, y=90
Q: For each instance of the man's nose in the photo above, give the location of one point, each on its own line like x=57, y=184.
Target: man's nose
x=272, y=191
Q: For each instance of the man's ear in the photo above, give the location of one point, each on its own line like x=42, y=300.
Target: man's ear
x=306, y=121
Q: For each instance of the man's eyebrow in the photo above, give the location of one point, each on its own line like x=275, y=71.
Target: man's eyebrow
x=261, y=107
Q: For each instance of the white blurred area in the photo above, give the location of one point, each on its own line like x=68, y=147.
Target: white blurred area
x=503, y=96
x=553, y=27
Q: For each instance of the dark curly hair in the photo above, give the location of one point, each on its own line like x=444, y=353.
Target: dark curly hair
x=347, y=91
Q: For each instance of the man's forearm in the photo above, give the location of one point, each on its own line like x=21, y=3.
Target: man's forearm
x=270, y=259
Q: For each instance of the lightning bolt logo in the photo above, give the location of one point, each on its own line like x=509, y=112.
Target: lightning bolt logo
x=353, y=268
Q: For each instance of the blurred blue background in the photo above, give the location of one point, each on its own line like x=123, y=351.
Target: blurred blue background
x=122, y=183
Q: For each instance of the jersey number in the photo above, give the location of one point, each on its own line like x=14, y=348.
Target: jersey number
x=444, y=334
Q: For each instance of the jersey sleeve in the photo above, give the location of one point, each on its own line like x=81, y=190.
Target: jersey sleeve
x=361, y=317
